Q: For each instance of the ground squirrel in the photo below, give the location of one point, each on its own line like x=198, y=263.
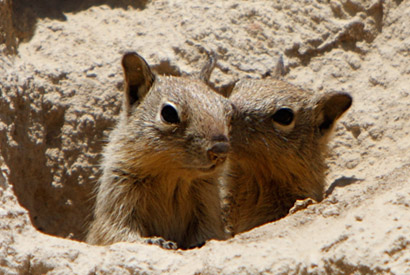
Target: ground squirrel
x=162, y=163
x=279, y=139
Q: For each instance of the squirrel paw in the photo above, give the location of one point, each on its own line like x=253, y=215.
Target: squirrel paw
x=161, y=242
x=301, y=204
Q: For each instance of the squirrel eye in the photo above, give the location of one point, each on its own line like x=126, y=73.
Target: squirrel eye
x=169, y=114
x=283, y=116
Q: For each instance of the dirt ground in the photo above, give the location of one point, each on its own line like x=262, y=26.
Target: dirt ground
x=60, y=94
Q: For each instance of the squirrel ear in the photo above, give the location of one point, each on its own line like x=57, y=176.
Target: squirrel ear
x=329, y=108
x=138, y=77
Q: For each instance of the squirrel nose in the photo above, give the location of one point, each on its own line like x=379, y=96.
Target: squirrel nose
x=218, y=152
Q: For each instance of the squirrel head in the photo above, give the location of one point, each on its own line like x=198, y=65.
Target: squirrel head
x=283, y=128
x=173, y=122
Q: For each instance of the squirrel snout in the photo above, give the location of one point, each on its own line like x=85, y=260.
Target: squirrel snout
x=218, y=151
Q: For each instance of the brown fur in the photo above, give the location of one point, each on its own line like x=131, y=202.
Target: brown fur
x=160, y=179
x=274, y=165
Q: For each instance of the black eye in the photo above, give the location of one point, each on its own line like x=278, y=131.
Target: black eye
x=169, y=114
x=283, y=116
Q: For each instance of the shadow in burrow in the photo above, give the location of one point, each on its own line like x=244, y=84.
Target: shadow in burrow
x=341, y=182
x=48, y=188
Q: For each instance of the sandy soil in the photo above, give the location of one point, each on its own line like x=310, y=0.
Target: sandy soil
x=60, y=94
